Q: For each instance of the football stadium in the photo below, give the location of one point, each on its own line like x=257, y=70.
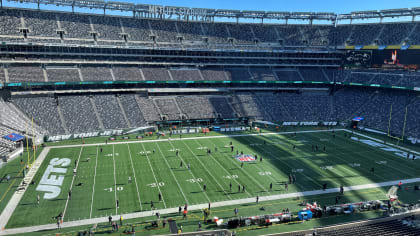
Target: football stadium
x=121, y=118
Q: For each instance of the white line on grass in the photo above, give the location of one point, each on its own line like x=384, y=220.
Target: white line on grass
x=346, y=162
x=173, y=175
x=71, y=185
x=153, y=172
x=285, y=162
x=381, y=141
x=193, y=138
x=269, y=176
x=180, y=157
x=217, y=182
x=115, y=181
x=94, y=182
x=228, y=171
x=134, y=173
x=388, y=156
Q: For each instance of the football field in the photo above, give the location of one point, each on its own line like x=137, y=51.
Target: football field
x=137, y=173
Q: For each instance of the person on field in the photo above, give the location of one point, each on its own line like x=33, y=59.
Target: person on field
x=185, y=214
x=271, y=187
x=129, y=179
x=160, y=197
x=230, y=186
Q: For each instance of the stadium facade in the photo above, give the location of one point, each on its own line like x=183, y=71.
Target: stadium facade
x=76, y=73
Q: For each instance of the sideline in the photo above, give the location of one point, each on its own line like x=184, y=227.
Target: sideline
x=201, y=206
x=194, y=138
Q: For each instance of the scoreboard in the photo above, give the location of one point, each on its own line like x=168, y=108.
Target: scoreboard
x=391, y=59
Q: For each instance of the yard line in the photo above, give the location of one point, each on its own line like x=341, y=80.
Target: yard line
x=381, y=141
x=241, y=170
x=217, y=182
x=270, y=176
x=173, y=175
x=94, y=181
x=192, y=174
x=285, y=162
x=134, y=173
x=115, y=180
x=388, y=156
x=345, y=161
x=153, y=172
x=71, y=185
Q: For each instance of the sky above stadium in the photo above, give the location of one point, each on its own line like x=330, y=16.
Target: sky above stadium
x=336, y=6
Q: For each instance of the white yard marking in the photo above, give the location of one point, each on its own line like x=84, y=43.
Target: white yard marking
x=384, y=162
x=285, y=163
x=94, y=182
x=154, y=176
x=246, y=172
x=173, y=175
x=135, y=179
x=115, y=180
x=180, y=157
x=243, y=170
x=71, y=185
x=210, y=172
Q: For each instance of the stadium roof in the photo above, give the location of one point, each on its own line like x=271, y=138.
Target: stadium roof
x=206, y=14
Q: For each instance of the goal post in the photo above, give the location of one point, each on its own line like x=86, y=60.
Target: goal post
x=403, y=128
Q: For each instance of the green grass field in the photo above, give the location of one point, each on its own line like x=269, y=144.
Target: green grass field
x=105, y=177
